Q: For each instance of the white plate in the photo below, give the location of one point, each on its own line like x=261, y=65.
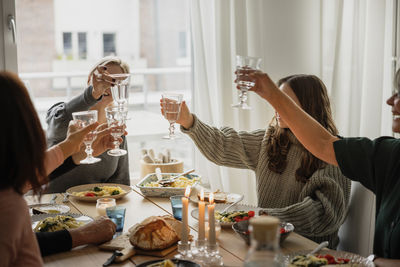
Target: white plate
x=47, y=206
x=35, y=219
x=354, y=258
x=230, y=197
x=220, y=207
x=87, y=187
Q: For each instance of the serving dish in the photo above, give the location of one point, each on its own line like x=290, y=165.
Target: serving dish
x=49, y=208
x=178, y=263
x=242, y=229
x=220, y=207
x=35, y=219
x=86, y=187
x=230, y=197
x=164, y=191
x=354, y=258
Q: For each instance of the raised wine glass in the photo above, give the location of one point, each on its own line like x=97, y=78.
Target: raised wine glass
x=120, y=90
x=244, y=66
x=83, y=119
x=172, y=107
x=116, y=117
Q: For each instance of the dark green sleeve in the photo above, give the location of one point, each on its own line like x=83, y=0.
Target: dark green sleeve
x=370, y=162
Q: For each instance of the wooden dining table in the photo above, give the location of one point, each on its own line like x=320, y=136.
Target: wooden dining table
x=232, y=247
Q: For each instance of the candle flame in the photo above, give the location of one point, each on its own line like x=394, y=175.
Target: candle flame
x=211, y=198
x=202, y=195
x=187, y=192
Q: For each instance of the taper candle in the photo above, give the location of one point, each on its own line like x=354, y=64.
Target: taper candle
x=202, y=207
x=185, y=227
x=212, y=240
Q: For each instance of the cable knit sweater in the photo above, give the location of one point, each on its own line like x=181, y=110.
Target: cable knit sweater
x=316, y=208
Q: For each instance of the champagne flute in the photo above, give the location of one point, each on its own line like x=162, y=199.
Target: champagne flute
x=244, y=66
x=116, y=117
x=120, y=91
x=83, y=119
x=172, y=107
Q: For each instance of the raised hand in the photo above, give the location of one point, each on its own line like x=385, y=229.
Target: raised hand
x=101, y=81
x=263, y=83
x=185, y=117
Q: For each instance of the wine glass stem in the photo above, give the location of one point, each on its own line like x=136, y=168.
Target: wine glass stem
x=243, y=97
x=116, y=143
x=171, y=129
x=89, y=150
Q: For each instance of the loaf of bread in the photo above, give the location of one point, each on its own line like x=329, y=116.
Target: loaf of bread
x=156, y=233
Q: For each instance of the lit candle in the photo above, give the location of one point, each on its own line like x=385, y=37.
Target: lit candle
x=211, y=221
x=202, y=207
x=217, y=229
x=103, y=203
x=185, y=204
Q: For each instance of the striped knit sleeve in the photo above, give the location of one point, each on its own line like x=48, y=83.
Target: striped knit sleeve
x=225, y=146
x=322, y=205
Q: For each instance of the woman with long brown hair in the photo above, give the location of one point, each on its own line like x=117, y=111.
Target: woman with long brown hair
x=291, y=183
x=25, y=163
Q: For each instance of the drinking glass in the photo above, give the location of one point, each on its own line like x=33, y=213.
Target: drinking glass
x=120, y=90
x=244, y=66
x=172, y=107
x=116, y=117
x=83, y=119
x=176, y=204
x=117, y=215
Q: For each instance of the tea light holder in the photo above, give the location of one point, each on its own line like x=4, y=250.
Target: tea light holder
x=103, y=203
x=184, y=250
x=212, y=256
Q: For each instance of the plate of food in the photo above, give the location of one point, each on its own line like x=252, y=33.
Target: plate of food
x=149, y=185
x=234, y=214
x=56, y=222
x=219, y=197
x=326, y=257
x=92, y=192
x=169, y=263
x=48, y=209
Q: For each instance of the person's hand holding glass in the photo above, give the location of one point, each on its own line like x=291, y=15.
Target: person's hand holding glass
x=116, y=117
x=244, y=66
x=83, y=119
x=171, y=107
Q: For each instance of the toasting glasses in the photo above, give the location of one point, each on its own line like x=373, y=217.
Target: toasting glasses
x=120, y=90
x=172, y=107
x=116, y=117
x=83, y=119
x=244, y=66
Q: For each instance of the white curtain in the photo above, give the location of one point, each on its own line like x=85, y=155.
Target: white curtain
x=285, y=34
x=356, y=45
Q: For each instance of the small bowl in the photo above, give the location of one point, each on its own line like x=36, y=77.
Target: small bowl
x=242, y=229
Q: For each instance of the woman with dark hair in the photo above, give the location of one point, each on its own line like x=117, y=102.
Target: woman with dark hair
x=291, y=183
x=24, y=162
x=373, y=163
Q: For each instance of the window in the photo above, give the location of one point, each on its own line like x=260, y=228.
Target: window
x=82, y=45
x=182, y=44
x=109, y=44
x=67, y=44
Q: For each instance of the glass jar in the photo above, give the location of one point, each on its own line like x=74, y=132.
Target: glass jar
x=264, y=242
x=103, y=203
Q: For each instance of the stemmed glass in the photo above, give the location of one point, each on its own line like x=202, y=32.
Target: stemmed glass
x=120, y=90
x=172, y=107
x=116, y=117
x=244, y=66
x=83, y=119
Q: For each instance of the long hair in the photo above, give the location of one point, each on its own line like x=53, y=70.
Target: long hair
x=314, y=100
x=22, y=140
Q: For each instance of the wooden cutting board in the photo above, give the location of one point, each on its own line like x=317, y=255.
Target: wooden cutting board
x=122, y=244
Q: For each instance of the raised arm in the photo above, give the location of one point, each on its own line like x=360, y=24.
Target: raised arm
x=308, y=131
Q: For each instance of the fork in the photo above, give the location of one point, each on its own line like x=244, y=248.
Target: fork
x=53, y=199
x=65, y=199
